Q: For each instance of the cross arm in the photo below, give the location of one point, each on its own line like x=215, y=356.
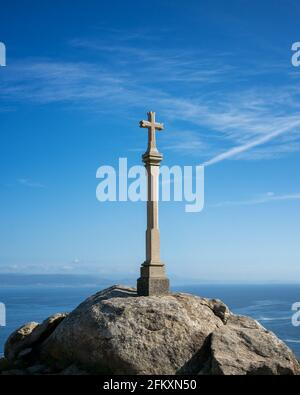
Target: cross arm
x=147, y=124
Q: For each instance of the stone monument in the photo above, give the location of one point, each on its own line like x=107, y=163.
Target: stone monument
x=153, y=280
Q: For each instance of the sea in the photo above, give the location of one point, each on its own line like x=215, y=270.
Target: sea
x=36, y=297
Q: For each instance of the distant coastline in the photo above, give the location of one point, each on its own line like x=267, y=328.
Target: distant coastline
x=87, y=279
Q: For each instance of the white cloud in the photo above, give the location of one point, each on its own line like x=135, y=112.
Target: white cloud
x=251, y=144
x=225, y=118
x=267, y=198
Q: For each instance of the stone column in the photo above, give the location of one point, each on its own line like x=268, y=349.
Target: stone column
x=153, y=280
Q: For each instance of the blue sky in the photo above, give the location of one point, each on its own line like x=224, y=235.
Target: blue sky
x=79, y=77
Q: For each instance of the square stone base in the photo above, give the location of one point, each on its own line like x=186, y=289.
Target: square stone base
x=148, y=286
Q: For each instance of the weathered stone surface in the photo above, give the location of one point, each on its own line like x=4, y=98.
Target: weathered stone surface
x=153, y=286
x=25, y=353
x=4, y=364
x=218, y=307
x=14, y=372
x=244, y=347
x=30, y=334
x=116, y=331
x=19, y=340
x=73, y=370
x=36, y=369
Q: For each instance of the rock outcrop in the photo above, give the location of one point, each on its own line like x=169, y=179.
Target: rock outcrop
x=117, y=332
x=244, y=347
x=21, y=342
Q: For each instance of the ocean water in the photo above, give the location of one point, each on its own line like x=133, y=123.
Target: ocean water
x=34, y=298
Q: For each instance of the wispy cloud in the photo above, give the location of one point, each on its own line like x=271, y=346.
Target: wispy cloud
x=185, y=141
x=48, y=81
x=251, y=144
x=29, y=184
x=266, y=198
x=207, y=95
x=160, y=65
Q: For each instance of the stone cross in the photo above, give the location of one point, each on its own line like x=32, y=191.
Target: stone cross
x=151, y=125
x=153, y=280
